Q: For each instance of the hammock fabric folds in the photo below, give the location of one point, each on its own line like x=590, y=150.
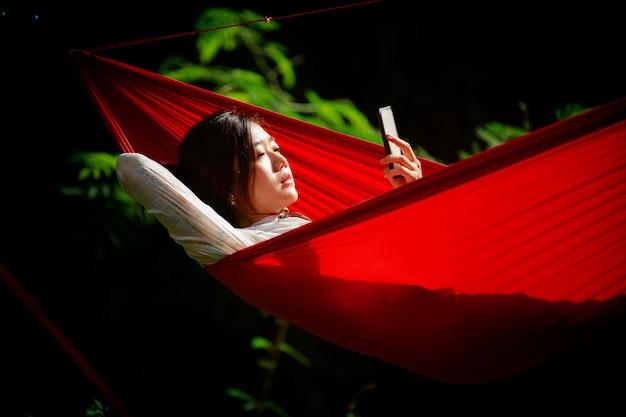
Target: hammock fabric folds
x=482, y=269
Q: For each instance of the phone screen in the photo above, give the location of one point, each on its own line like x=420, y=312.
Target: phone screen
x=388, y=126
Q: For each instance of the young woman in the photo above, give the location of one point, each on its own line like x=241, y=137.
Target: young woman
x=232, y=187
x=235, y=166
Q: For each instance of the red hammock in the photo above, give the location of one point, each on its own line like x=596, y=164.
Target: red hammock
x=497, y=263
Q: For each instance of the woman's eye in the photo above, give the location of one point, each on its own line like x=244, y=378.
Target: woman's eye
x=260, y=155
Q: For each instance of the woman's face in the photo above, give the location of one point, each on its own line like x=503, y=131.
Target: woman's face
x=274, y=187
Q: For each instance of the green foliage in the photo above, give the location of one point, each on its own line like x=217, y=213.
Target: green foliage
x=96, y=174
x=269, y=364
x=351, y=407
x=494, y=133
x=272, y=82
x=97, y=180
x=114, y=219
x=250, y=403
x=570, y=109
x=259, y=342
x=96, y=409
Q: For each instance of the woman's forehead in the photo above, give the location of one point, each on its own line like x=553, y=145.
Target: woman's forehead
x=260, y=135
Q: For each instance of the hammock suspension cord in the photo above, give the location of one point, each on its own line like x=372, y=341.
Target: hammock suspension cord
x=267, y=20
x=64, y=342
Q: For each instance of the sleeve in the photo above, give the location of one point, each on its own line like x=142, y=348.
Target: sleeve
x=205, y=235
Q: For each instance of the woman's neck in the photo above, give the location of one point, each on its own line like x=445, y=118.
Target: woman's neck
x=242, y=220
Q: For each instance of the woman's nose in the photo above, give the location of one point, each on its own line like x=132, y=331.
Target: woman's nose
x=280, y=161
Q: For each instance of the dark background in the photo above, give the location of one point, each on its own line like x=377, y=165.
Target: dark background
x=445, y=69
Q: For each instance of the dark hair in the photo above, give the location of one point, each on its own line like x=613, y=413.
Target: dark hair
x=216, y=158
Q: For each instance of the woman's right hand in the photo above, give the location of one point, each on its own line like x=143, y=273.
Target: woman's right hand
x=407, y=167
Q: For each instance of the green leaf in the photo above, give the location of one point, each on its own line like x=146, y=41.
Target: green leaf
x=569, y=110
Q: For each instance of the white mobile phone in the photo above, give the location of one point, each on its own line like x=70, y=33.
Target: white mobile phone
x=388, y=126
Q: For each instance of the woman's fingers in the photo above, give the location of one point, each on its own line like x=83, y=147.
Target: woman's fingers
x=405, y=146
x=407, y=167
x=408, y=157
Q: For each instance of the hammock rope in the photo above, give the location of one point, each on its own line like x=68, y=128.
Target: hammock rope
x=266, y=20
x=64, y=342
